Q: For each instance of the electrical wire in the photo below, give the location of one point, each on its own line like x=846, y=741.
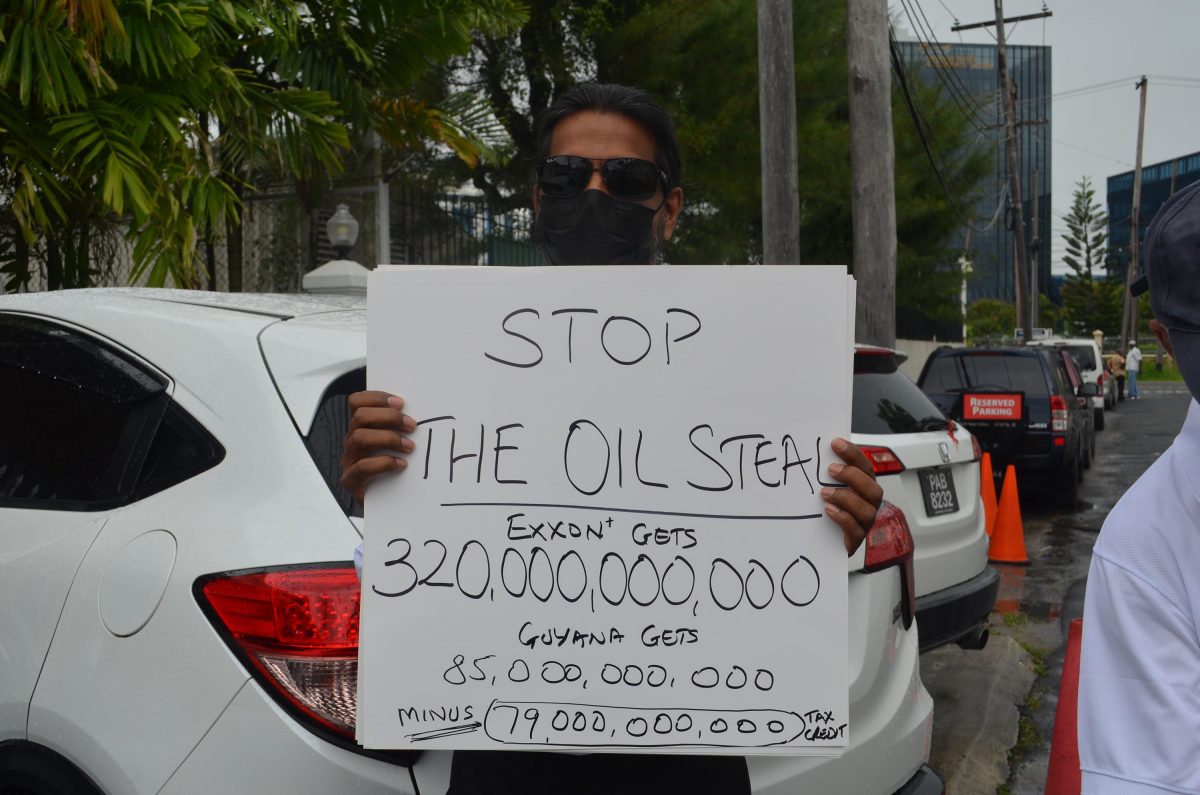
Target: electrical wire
x=958, y=91
x=902, y=78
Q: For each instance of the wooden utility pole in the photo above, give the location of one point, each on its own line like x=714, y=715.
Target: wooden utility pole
x=1035, y=251
x=872, y=170
x=1009, y=92
x=1129, y=321
x=777, y=133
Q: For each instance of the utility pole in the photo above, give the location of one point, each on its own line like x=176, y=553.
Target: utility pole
x=777, y=133
x=1035, y=250
x=1009, y=92
x=1129, y=321
x=872, y=170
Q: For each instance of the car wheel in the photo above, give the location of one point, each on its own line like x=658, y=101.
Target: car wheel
x=1087, y=457
x=1068, y=486
x=1099, y=419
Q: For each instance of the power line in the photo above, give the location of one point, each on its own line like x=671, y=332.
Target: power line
x=898, y=67
x=1091, y=152
x=959, y=94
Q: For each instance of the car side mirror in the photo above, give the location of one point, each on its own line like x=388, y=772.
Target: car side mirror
x=1088, y=390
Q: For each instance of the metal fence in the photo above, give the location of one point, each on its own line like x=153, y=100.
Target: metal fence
x=459, y=230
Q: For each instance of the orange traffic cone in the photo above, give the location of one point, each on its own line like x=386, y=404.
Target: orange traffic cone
x=1008, y=537
x=987, y=490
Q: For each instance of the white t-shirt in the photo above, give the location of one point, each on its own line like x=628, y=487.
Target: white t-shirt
x=1133, y=362
x=1139, y=681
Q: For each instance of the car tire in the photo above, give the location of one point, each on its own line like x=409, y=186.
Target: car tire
x=1099, y=419
x=1067, y=489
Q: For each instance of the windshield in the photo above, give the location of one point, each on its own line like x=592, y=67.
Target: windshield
x=885, y=401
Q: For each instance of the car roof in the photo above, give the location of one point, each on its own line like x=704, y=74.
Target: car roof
x=278, y=306
x=1012, y=350
x=306, y=341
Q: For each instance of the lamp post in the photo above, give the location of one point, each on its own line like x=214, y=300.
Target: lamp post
x=340, y=276
x=342, y=229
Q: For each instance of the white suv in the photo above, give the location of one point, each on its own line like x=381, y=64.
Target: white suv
x=929, y=467
x=1091, y=364
x=178, y=608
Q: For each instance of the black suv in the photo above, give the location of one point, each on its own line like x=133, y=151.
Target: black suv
x=1019, y=404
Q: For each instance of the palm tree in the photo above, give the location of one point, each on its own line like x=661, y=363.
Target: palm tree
x=149, y=120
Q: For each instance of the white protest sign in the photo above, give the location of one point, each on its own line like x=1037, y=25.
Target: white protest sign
x=610, y=534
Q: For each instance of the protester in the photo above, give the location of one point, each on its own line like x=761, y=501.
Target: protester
x=1116, y=363
x=1133, y=366
x=1139, y=686
x=608, y=192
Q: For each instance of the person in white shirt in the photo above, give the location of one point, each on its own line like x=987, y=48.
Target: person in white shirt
x=1133, y=366
x=1139, y=681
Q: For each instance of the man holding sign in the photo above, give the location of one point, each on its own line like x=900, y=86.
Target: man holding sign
x=608, y=193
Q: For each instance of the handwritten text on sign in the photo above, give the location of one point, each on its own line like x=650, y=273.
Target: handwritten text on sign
x=610, y=534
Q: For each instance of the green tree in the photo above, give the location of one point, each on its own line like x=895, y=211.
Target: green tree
x=1087, y=232
x=990, y=319
x=1089, y=301
x=149, y=120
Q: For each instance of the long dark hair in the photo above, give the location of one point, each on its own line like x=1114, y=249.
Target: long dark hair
x=633, y=103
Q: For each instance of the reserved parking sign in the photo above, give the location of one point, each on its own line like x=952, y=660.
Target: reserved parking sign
x=992, y=406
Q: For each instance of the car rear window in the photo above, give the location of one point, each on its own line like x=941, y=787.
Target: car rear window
x=328, y=433
x=885, y=401
x=1005, y=372
x=1084, y=356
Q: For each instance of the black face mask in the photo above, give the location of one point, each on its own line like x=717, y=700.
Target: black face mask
x=593, y=228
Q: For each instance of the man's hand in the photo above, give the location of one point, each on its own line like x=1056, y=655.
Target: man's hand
x=377, y=440
x=853, y=508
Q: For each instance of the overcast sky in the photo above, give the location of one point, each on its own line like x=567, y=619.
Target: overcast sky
x=1097, y=42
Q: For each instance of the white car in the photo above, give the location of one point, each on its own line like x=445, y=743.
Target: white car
x=178, y=607
x=928, y=466
x=1091, y=364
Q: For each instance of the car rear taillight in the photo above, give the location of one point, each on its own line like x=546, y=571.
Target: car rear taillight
x=889, y=543
x=976, y=450
x=296, y=630
x=1058, y=414
x=883, y=460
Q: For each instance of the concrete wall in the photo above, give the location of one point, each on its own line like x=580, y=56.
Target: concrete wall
x=918, y=351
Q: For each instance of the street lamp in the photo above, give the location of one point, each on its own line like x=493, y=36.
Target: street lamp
x=342, y=230
x=341, y=275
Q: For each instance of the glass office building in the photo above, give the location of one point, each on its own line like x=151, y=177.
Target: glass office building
x=972, y=71
x=1159, y=181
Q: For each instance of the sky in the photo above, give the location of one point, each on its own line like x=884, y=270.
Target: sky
x=1096, y=42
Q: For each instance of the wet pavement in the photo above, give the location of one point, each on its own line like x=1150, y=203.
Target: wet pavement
x=994, y=709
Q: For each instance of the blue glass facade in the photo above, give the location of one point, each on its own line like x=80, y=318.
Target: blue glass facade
x=972, y=69
x=1159, y=181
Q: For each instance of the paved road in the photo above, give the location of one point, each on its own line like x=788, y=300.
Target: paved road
x=994, y=709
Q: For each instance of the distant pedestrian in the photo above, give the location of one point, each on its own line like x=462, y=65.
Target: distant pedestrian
x=1133, y=366
x=1139, y=680
x=1116, y=363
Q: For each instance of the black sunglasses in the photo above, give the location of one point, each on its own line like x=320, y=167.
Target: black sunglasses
x=627, y=178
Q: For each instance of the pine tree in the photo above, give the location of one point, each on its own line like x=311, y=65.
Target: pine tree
x=1088, y=302
x=1087, y=238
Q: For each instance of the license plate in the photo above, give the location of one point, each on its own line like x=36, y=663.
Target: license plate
x=937, y=487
